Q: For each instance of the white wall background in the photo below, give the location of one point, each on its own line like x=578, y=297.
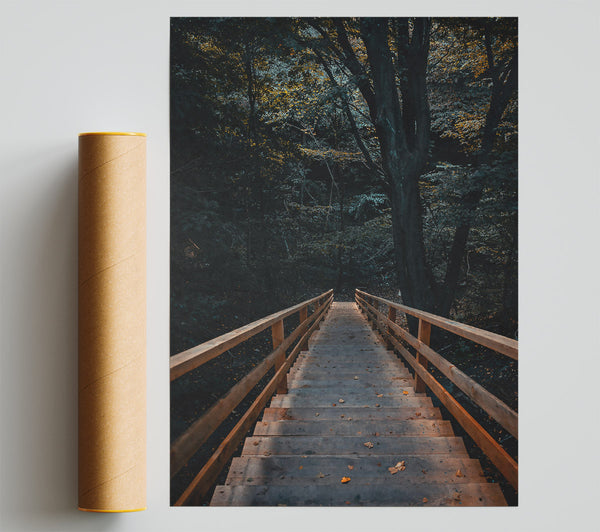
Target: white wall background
x=68, y=67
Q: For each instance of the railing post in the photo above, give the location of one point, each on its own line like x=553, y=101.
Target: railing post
x=392, y=317
x=317, y=306
x=277, y=333
x=376, y=316
x=303, y=315
x=424, y=335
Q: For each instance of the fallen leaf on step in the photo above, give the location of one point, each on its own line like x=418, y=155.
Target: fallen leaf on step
x=255, y=443
x=459, y=473
x=355, y=377
x=424, y=499
x=405, y=392
x=417, y=413
x=350, y=467
x=301, y=467
x=345, y=480
x=379, y=395
x=341, y=401
x=321, y=475
x=392, y=470
x=342, y=415
x=368, y=444
x=377, y=405
x=316, y=413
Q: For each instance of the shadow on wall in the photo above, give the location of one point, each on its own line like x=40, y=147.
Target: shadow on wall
x=38, y=377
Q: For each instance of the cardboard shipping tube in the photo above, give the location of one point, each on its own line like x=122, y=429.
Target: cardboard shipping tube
x=112, y=322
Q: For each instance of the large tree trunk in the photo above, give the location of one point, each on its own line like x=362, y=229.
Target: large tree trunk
x=403, y=160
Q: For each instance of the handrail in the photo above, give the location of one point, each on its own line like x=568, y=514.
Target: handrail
x=190, y=441
x=501, y=344
x=192, y=358
x=496, y=408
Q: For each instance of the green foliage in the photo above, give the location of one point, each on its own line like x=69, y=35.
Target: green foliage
x=272, y=198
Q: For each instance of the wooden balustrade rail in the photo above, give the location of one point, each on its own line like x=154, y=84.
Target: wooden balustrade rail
x=190, y=441
x=496, y=342
x=496, y=408
x=190, y=359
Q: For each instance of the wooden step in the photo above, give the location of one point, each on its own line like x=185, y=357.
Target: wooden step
x=333, y=413
x=325, y=373
x=308, y=440
x=318, y=400
x=356, y=494
x=351, y=358
x=287, y=470
x=364, y=383
x=352, y=445
x=324, y=367
x=353, y=427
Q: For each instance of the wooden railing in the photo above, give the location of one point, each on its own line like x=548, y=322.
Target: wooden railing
x=393, y=333
x=192, y=439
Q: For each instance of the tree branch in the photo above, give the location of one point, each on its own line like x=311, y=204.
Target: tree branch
x=369, y=160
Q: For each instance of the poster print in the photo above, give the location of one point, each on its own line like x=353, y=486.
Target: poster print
x=344, y=261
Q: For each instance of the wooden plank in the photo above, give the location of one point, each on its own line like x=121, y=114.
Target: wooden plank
x=289, y=470
x=278, y=334
x=351, y=384
x=328, y=470
x=501, y=344
x=496, y=408
x=303, y=315
x=190, y=441
x=352, y=446
x=424, y=335
x=314, y=371
x=492, y=449
x=341, y=428
x=294, y=400
x=209, y=473
x=190, y=359
x=392, y=317
x=333, y=413
x=356, y=494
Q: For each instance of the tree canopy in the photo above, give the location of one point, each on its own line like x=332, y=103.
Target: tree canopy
x=309, y=154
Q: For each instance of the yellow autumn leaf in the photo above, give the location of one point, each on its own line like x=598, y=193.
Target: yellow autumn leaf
x=345, y=480
x=405, y=392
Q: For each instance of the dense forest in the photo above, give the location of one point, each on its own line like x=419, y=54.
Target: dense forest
x=309, y=154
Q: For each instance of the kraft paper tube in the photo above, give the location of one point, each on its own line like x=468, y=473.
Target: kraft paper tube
x=112, y=322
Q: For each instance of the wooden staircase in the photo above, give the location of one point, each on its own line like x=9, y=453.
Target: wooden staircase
x=350, y=416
